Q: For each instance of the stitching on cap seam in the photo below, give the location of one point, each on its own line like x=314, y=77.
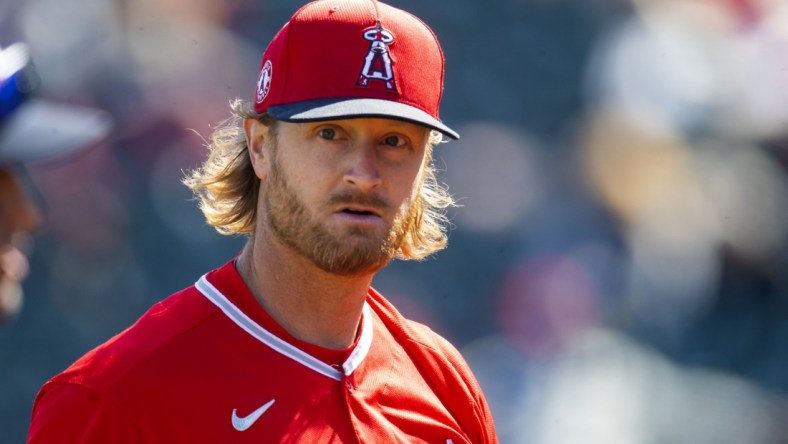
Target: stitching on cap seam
x=440, y=51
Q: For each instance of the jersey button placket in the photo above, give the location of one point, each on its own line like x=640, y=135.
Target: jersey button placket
x=350, y=404
x=350, y=384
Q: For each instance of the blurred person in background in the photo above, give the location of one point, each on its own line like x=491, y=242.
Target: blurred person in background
x=31, y=130
x=329, y=173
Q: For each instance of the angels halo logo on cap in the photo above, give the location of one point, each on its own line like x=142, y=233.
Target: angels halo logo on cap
x=264, y=81
x=377, y=63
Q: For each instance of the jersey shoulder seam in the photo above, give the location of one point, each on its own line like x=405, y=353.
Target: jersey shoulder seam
x=124, y=371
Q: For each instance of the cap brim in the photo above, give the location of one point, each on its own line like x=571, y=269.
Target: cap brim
x=41, y=130
x=332, y=109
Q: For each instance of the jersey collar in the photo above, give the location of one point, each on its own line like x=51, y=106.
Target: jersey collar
x=240, y=318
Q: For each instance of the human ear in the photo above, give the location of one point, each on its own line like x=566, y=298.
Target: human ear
x=257, y=135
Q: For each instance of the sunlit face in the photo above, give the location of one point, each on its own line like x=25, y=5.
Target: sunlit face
x=340, y=192
x=18, y=216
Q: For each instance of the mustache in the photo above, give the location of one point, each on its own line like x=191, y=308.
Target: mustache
x=359, y=199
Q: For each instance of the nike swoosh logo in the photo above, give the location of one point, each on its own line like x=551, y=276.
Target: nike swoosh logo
x=244, y=423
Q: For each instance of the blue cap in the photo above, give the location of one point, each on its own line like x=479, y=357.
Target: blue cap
x=32, y=129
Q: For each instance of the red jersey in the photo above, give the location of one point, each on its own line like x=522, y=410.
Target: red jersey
x=208, y=364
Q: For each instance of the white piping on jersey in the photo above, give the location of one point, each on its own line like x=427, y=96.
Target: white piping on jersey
x=362, y=347
x=258, y=332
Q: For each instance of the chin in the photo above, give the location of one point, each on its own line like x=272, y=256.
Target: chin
x=352, y=257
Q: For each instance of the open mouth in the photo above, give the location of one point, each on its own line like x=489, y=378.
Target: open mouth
x=358, y=212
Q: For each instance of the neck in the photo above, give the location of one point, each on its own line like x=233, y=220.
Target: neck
x=311, y=304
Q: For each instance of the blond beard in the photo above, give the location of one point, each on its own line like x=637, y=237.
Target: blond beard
x=354, y=253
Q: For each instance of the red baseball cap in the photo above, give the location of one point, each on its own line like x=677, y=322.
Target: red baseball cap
x=338, y=59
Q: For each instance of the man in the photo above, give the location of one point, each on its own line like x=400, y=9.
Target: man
x=31, y=130
x=329, y=175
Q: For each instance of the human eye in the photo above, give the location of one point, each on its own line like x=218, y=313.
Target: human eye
x=394, y=140
x=327, y=133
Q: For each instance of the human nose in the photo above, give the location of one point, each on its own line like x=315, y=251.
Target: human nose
x=28, y=218
x=362, y=169
x=18, y=211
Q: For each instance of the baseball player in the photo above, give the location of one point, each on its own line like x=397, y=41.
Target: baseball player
x=31, y=130
x=328, y=172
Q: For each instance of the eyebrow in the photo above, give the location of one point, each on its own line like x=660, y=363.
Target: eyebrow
x=393, y=124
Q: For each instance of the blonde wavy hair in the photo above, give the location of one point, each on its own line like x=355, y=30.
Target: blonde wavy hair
x=227, y=188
